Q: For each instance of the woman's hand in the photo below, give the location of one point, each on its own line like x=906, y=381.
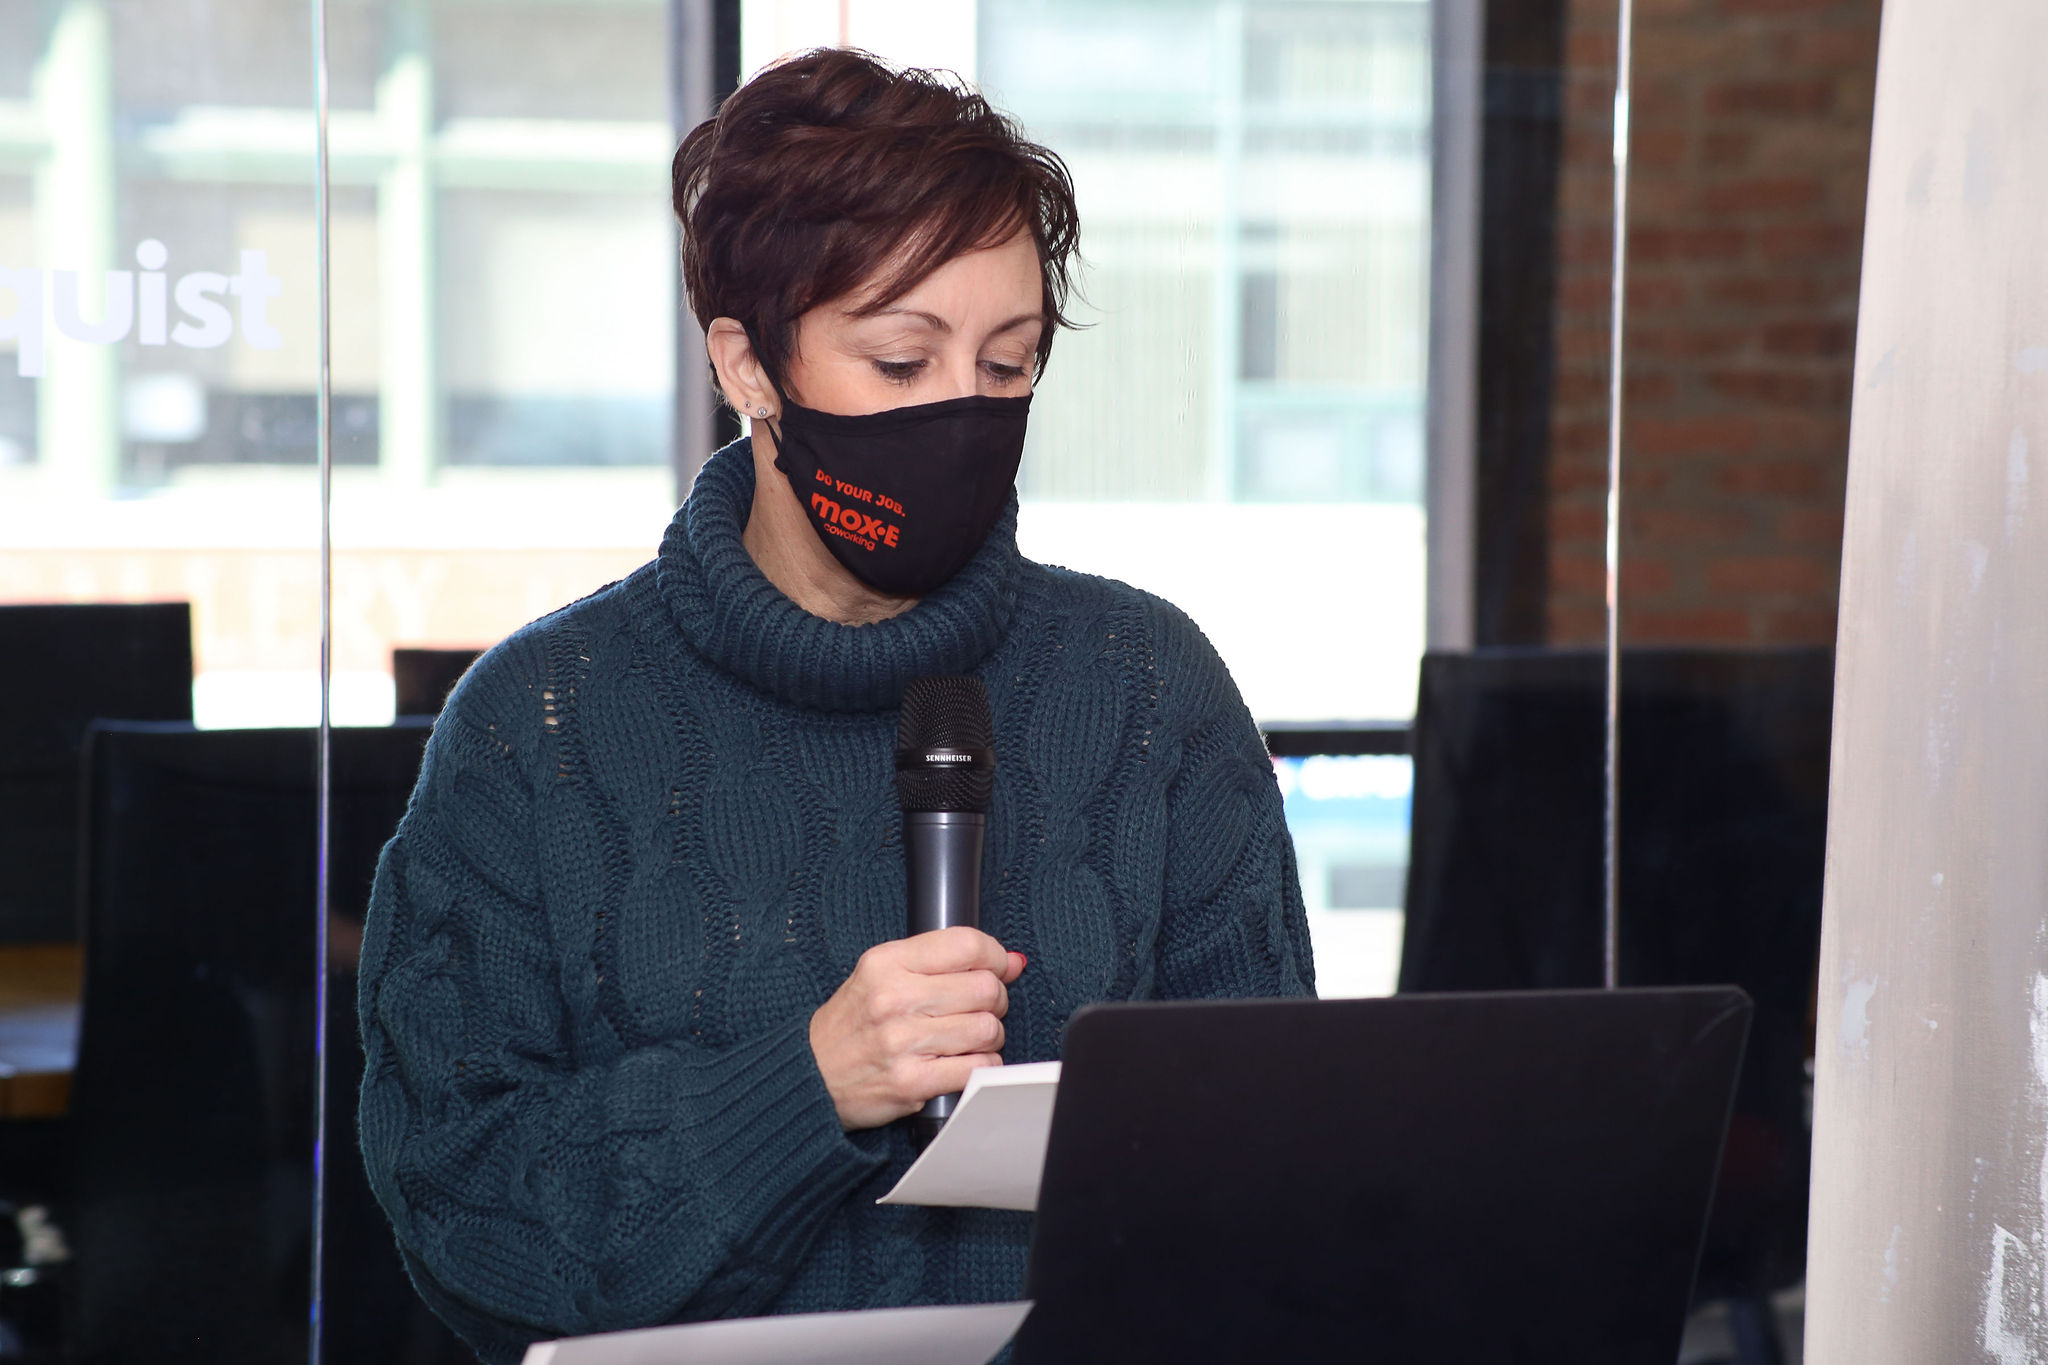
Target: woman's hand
x=915, y=1017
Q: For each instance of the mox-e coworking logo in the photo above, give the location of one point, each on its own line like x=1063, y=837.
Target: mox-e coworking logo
x=140, y=302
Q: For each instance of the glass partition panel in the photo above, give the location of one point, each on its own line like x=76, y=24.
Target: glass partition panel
x=1750, y=149
x=505, y=322
x=1336, y=265
x=504, y=329
x=159, y=622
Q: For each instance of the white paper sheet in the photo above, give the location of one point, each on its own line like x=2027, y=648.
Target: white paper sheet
x=991, y=1153
x=964, y=1335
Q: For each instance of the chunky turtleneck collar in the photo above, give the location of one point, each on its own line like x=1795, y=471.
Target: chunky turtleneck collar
x=734, y=617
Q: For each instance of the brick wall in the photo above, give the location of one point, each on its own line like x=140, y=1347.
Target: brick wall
x=1750, y=138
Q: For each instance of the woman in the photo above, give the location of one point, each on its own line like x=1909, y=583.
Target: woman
x=639, y=1012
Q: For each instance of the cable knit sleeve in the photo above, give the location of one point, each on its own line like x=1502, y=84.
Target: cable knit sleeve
x=543, y=1182
x=1233, y=924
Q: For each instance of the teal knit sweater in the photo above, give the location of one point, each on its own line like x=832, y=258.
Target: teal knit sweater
x=652, y=834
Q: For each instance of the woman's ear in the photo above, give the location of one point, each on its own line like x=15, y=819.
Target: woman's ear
x=739, y=371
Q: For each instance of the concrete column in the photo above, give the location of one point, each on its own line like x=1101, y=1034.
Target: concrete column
x=78, y=410
x=1930, y=1197
x=409, y=397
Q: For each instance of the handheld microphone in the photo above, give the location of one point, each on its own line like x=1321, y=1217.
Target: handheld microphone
x=945, y=773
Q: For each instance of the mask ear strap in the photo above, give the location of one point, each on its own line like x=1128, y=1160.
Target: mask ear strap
x=761, y=414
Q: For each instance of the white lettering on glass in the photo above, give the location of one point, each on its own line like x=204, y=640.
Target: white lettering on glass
x=195, y=300
x=138, y=302
x=153, y=330
x=117, y=317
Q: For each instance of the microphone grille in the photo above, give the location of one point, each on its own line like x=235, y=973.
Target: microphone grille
x=945, y=715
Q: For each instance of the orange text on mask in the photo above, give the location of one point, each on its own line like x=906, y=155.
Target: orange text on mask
x=855, y=520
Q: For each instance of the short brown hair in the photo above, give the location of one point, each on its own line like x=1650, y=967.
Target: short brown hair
x=824, y=168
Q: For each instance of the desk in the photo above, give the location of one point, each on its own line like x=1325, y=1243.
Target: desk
x=40, y=986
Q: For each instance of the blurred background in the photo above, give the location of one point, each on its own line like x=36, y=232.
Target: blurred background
x=518, y=402
x=1348, y=282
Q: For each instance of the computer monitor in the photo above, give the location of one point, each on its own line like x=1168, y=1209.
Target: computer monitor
x=192, y=1103
x=67, y=666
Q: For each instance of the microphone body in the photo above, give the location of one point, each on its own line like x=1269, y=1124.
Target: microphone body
x=943, y=852
x=943, y=848
x=945, y=771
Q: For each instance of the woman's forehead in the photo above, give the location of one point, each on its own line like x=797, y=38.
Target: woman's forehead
x=1003, y=279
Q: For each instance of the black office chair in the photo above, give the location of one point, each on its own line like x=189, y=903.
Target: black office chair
x=192, y=1101
x=1723, y=827
x=66, y=666
x=423, y=678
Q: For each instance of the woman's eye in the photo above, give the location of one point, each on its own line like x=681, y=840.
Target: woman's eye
x=899, y=371
x=1003, y=374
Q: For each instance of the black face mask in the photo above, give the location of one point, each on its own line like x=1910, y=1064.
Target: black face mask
x=904, y=498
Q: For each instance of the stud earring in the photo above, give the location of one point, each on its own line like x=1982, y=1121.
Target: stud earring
x=760, y=412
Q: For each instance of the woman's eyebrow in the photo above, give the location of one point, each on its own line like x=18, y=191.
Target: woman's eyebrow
x=931, y=320
x=940, y=325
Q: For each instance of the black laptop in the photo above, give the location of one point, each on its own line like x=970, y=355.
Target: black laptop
x=1458, y=1180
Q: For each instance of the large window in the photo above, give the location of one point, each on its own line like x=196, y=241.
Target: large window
x=1238, y=427
x=158, y=336
x=1241, y=427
